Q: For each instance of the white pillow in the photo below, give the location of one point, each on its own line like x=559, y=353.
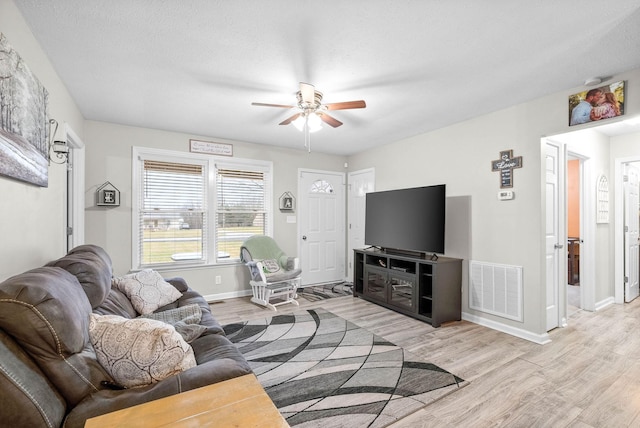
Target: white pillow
x=139, y=351
x=147, y=290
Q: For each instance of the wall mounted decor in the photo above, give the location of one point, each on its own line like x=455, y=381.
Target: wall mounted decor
x=108, y=195
x=24, y=120
x=287, y=202
x=601, y=103
x=210, y=148
x=602, y=214
x=505, y=165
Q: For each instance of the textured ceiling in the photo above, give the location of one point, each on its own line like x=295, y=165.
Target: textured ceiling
x=196, y=66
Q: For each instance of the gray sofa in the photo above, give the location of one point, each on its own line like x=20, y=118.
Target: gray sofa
x=49, y=372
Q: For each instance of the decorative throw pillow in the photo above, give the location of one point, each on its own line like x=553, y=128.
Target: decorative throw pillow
x=185, y=319
x=270, y=266
x=147, y=290
x=139, y=351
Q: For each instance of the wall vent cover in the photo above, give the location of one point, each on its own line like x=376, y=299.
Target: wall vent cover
x=496, y=289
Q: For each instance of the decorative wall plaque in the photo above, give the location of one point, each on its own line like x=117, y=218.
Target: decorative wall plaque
x=210, y=148
x=505, y=165
x=107, y=195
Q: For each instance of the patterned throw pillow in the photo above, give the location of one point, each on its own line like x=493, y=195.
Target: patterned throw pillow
x=146, y=290
x=270, y=266
x=139, y=351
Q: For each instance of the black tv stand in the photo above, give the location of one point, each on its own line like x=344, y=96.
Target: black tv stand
x=426, y=289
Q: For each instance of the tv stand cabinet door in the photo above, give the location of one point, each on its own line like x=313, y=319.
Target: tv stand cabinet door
x=375, y=284
x=402, y=291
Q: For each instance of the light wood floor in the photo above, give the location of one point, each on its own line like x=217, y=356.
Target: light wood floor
x=588, y=376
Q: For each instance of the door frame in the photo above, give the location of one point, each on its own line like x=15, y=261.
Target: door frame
x=75, y=188
x=587, y=229
x=351, y=202
x=618, y=233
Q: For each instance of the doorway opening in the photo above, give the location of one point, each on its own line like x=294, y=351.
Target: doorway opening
x=574, y=233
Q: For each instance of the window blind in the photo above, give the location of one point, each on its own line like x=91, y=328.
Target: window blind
x=172, y=218
x=240, y=208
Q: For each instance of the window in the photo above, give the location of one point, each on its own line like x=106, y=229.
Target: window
x=192, y=209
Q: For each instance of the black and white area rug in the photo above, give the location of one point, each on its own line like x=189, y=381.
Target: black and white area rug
x=326, y=291
x=321, y=370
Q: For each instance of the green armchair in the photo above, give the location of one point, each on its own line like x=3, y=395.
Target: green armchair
x=275, y=277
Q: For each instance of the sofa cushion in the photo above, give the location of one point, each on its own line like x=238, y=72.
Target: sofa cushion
x=147, y=290
x=91, y=270
x=116, y=303
x=139, y=351
x=47, y=313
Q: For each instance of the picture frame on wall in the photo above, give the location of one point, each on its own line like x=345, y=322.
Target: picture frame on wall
x=597, y=104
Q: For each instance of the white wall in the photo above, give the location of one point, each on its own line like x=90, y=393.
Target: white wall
x=33, y=219
x=32, y=226
x=108, y=154
x=506, y=232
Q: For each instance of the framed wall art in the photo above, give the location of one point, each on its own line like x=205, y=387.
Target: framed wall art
x=24, y=121
x=597, y=104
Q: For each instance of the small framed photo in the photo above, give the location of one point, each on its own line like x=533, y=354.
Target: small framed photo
x=601, y=103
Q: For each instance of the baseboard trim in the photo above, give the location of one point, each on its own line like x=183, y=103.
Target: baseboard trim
x=540, y=339
x=210, y=298
x=604, y=303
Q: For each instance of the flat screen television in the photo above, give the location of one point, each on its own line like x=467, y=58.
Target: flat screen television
x=409, y=220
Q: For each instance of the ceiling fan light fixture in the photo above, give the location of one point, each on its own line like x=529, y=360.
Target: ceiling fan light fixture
x=315, y=124
x=299, y=123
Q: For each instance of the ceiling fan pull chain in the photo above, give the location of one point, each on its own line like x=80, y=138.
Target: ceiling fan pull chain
x=307, y=134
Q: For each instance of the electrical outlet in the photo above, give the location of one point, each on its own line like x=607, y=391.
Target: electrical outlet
x=218, y=280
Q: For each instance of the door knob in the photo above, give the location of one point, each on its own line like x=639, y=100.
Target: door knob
x=304, y=237
x=558, y=246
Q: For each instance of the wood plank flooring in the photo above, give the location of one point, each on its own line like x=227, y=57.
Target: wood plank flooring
x=588, y=376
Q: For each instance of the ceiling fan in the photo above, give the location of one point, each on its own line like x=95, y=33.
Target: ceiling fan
x=312, y=111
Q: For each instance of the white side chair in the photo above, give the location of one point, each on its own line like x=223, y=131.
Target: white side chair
x=275, y=277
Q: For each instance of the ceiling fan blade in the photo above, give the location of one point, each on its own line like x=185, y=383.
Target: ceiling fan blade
x=270, y=105
x=289, y=120
x=308, y=93
x=346, y=105
x=330, y=120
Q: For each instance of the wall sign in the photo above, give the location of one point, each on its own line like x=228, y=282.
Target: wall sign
x=211, y=148
x=505, y=165
x=602, y=216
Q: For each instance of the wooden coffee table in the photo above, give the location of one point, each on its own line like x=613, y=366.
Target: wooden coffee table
x=238, y=402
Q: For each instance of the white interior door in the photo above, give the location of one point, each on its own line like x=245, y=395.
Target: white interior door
x=322, y=226
x=631, y=227
x=359, y=184
x=555, y=235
